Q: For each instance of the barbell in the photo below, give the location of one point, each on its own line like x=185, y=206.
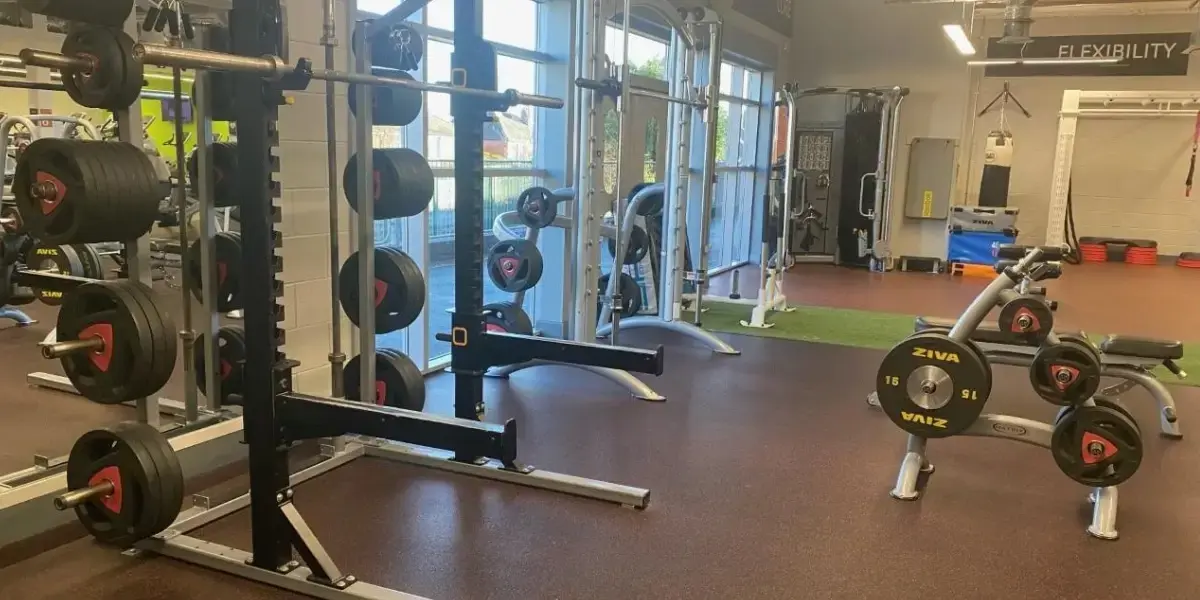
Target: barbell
x=79, y=63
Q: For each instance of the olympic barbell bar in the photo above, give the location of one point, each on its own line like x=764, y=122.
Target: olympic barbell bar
x=274, y=68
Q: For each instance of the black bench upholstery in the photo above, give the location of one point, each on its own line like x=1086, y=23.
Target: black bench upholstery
x=989, y=333
x=1142, y=347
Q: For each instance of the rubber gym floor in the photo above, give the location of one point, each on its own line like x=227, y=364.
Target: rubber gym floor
x=768, y=471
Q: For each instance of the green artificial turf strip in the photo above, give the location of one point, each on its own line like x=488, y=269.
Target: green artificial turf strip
x=863, y=329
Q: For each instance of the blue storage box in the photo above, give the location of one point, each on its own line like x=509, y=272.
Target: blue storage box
x=975, y=247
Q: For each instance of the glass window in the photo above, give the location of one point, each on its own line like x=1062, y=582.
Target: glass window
x=512, y=22
x=439, y=15
x=723, y=131
x=727, y=79
x=647, y=56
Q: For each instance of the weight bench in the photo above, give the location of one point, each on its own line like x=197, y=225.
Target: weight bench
x=1131, y=359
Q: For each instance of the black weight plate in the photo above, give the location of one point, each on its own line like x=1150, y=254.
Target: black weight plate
x=224, y=167
x=515, y=265
x=128, y=356
x=390, y=106
x=161, y=339
x=398, y=381
x=931, y=385
x=1097, y=446
x=631, y=294
x=60, y=260
x=403, y=183
x=168, y=496
x=398, y=290
x=112, y=13
x=227, y=247
x=401, y=47
x=93, y=266
x=51, y=160
x=231, y=355
x=130, y=87
x=1035, y=310
x=537, y=208
x=8, y=291
x=106, y=85
x=652, y=205
x=1071, y=359
x=165, y=340
x=507, y=317
x=132, y=511
x=143, y=192
x=101, y=212
x=638, y=248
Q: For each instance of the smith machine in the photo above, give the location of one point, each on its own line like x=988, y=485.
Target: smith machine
x=126, y=484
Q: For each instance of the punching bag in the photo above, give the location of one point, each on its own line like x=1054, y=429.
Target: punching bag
x=997, y=166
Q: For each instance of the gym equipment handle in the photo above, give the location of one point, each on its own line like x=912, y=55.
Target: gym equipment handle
x=1018, y=251
x=74, y=498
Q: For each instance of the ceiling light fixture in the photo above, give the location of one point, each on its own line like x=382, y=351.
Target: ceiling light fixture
x=1006, y=62
x=958, y=36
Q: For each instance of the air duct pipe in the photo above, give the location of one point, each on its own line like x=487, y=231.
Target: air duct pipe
x=1018, y=19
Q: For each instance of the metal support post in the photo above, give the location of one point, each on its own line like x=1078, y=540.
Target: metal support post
x=337, y=358
x=363, y=143
x=211, y=323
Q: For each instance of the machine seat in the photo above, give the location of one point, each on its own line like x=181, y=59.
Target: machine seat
x=988, y=332
x=1142, y=347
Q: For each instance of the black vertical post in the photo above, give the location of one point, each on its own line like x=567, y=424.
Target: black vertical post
x=254, y=29
x=470, y=68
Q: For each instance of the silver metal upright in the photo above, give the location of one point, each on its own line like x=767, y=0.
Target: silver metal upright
x=364, y=142
x=211, y=323
x=708, y=173
x=337, y=358
x=613, y=297
x=680, y=65
x=789, y=181
x=137, y=252
x=881, y=182
x=590, y=26
x=187, y=335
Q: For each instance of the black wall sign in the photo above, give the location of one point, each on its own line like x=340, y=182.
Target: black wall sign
x=1141, y=54
x=776, y=14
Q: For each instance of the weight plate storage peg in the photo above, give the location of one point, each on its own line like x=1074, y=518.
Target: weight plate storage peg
x=398, y=290
x=113, y=343
x=398, y=381
x=631, y=294
x=228, y=248
x=390, y=106
x=515, y=265
x=537, y=208
x=638, y=248
x=125, y=483
x=60, y=260
x=85, y=191
x=507, y=317
x=114, y=79
x=1027, y=318
x=231, y=359
x=933, y=386
x=403, y=183
x=1097, y=446
x=224, y=167
x=1066, y=373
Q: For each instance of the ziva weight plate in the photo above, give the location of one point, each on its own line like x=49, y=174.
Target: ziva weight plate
x=231, y=362
x=59, y=260
x=398, y=381
x=402, y=183
x=398, y=290
x=227, y=247
x=137, y=341
x=933, y=386
x=139, y=478
x=515, y=265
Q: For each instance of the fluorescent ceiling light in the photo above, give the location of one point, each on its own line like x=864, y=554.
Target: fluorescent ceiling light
x=958, y=35
x=1004, y=62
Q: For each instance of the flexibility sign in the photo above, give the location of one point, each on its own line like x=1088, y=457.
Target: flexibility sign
x=1138, y=55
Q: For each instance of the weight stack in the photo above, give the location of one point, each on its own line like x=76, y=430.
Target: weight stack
x=1188, y=260
x=997, y=168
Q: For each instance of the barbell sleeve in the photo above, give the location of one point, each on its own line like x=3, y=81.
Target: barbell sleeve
x=74, y=498
x=61, y=349
x=52, y=60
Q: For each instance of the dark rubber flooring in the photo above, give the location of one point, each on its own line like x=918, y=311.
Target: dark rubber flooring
x=769, y=477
